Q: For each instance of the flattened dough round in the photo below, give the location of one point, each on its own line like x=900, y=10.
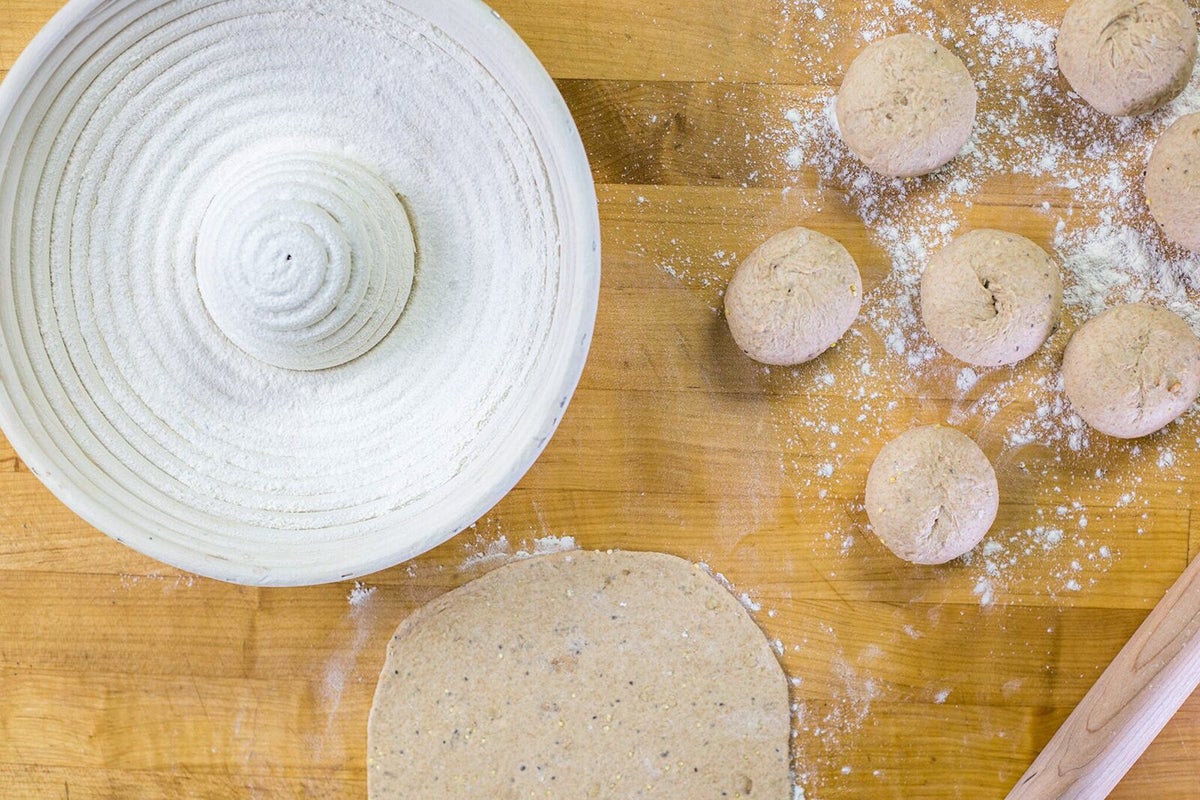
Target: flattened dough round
x=1132, y=370
x=793, y=297
x=584, y=675
x=991, y=297
x=1127, y=57
x=906, y=106
x=1172, y=182
x=931, y=495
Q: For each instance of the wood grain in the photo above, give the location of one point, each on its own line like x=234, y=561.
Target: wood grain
x=122, y=678
x=1135, y=697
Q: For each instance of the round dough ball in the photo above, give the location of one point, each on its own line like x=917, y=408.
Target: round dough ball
x=1173, y=182
x=906, y=106
x=931, y=495
x=793, y=297
x=1132, y=370
x=581, y=675
x=991, y=298
x=1127, y=57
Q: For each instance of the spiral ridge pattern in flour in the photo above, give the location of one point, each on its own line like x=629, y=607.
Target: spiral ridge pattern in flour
x=304, y=259
x=188, y=388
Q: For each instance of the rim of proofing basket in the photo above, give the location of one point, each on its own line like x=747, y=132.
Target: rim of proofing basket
x=292, y=292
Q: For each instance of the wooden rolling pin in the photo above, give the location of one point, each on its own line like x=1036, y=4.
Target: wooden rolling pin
x=1141, y=690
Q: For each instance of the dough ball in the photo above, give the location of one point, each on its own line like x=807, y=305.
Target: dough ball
x=1132, y=370
x=793, y=297
x=931, y=495
x=991, y=298
x=1127, y=57
x=906, y=106
x=1173, y=182
x=583, y=675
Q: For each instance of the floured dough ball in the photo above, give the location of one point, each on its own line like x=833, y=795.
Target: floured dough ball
x=991, y=298
x=581, y=675
x=906, y=106
x=1132, y=370
x=1127, y=57
x=793, y=297
x=1173, y=182
x=931, y=495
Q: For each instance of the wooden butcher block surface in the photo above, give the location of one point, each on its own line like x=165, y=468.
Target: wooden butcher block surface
x=705, y=122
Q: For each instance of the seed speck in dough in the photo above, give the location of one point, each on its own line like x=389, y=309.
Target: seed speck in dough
x=1132, y=370
x=793, y=297
x=906, y=106
x=1127, y=57
x=594, y=674
x=991, y=297
x=1172, y=182
x=931, y=495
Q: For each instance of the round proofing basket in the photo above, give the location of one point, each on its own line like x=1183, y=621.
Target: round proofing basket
x=86, y=452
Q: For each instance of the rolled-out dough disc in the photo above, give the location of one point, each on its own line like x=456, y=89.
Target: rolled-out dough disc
x=581, y=675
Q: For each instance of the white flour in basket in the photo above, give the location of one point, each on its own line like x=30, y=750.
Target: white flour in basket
x=197, y=434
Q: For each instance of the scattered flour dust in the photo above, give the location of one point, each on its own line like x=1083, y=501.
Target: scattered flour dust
x=360, y=594
x=486, y=551
x=1080, y=173
x=168, y=583
x=1027, y=127
x=345, y=644
x=827, y=721
x=1068, y=560
x=819, y=728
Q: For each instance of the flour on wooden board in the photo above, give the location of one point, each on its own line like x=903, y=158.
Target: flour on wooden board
x=346, y=643
x=1026, y=127
x=492, y=552
x=360, y=594
x=168, y=583
x=1081, y=171
x=852, y=692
